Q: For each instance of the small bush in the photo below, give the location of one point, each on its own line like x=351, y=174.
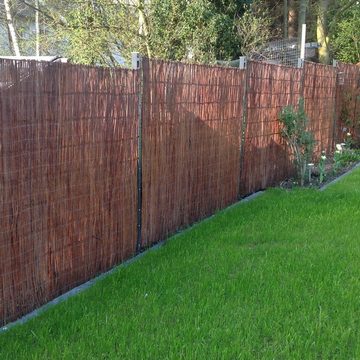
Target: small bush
x=345, y=158
x=300, y=141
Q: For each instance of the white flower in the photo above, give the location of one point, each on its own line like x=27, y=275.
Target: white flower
x=348, y=134
x=337, y=152
x=323, y=157
x=339, y=147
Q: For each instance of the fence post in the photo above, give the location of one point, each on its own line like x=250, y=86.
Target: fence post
x=301, y=65
x=335, y=65
x=243, y=65
x=137, y=64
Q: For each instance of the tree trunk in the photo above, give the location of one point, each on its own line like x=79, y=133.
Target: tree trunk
x=286, y=19
x=321, y=32
x=292, y=18
x=302, y=15
x=37, y=29
x=143, y=25
x=10, y=24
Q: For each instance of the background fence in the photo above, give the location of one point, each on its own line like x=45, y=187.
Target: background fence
x=348, y=102
x=266, y=159
x=319, y=96
x=96, y=164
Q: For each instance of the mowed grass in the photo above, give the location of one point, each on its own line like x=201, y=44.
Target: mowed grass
x=275, y=278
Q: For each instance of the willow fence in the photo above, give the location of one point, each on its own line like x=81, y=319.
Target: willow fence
x=98, y=164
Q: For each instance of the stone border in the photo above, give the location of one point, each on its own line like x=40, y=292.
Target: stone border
x=324, y=187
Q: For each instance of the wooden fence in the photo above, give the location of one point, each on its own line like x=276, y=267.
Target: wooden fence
x=96, y=164
x=348, y=102
x=320, y=95
x=191, y=144
x=266, y=159
x=67, y=178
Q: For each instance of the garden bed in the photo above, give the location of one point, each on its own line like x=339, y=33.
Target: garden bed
x=332, y=167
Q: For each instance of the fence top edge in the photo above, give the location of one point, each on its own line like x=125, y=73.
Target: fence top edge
x=199, y=65
x=5, y=61
x=44, y=63
x=215, y=66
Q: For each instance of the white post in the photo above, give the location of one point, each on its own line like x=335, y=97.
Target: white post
x=242, y=62
x=135, y=60
x=303, y=39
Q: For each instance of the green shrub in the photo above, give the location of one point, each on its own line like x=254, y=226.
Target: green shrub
x=300, y=141
x=345, y=158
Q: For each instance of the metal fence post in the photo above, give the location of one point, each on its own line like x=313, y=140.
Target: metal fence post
x=335, y=65
x=136, y=61
x=243, y=65
x=301, y=65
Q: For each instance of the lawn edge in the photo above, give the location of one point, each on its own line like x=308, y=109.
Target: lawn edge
x=333, y=182
x=79, y=289
x=88, y=284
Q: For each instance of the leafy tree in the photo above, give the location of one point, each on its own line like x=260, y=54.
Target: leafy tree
x=106, y=31
x=11, y=28
x=253, y=29
x=97, y=32
x=346, y=36
x=303, y=5
x=198, y=32
x=329, y=22
x=330, y=13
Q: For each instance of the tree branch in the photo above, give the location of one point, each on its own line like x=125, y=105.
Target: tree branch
x=61, y=22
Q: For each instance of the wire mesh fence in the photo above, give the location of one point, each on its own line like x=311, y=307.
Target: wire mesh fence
x=281, y=52
x=285, y=52
x=72, y=138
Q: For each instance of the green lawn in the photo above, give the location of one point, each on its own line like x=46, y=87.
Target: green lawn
x=275, y=278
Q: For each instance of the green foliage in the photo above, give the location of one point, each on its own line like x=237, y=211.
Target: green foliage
x=350, y=117
x=104, y=31
x=253, y=29
x=194, y=31
x=88, y=43
x=92, y=31
x=346, y=36
x=300, y=141
x=98, y=31
x=231, y=8
x=346, y=39
x=345, y=158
